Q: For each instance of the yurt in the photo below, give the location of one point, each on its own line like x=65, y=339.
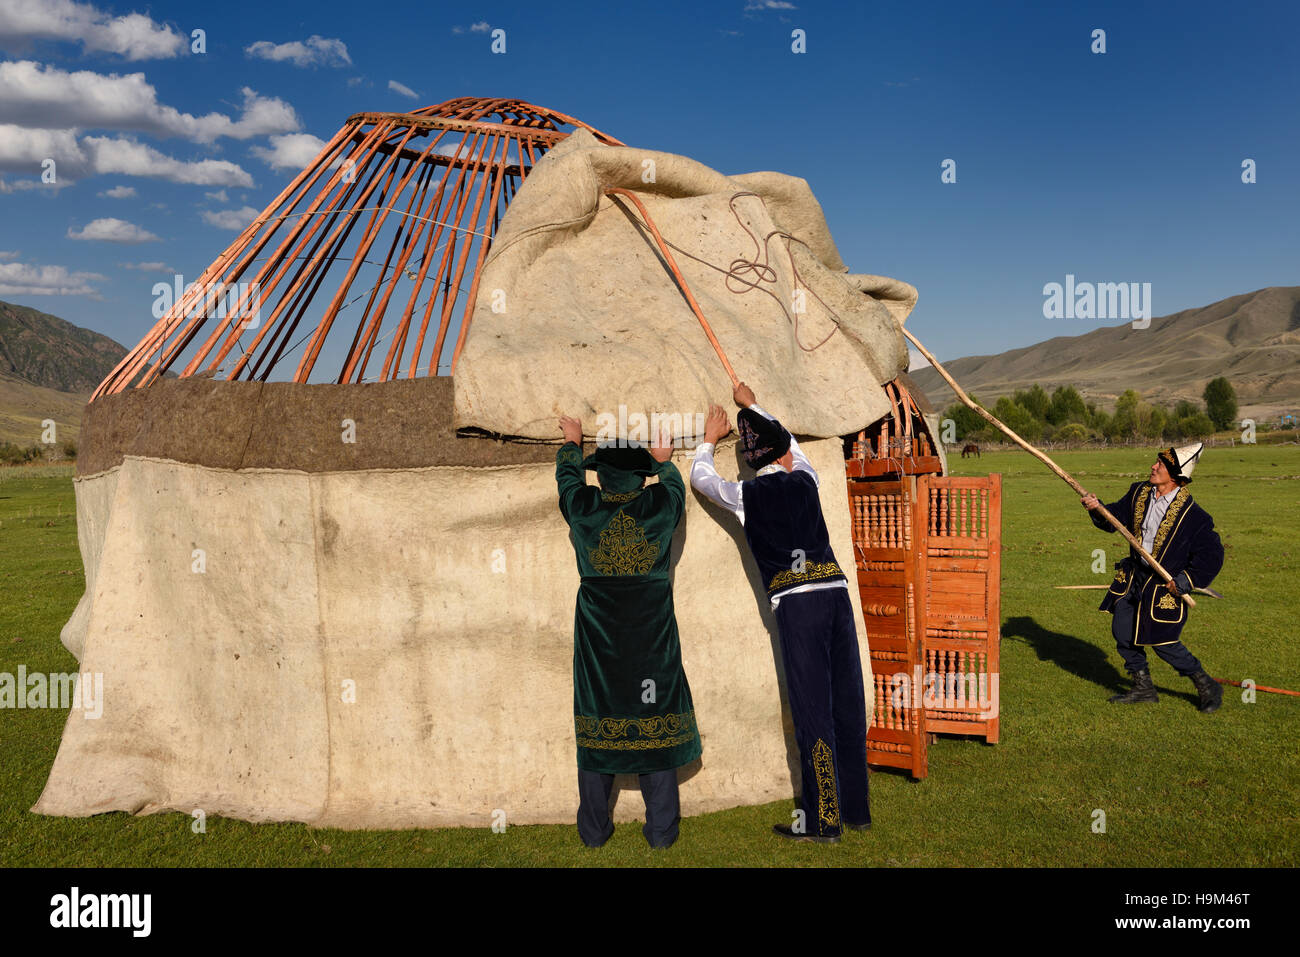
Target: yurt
x=326, y=577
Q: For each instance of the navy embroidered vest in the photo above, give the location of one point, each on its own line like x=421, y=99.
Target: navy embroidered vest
x=787, y=533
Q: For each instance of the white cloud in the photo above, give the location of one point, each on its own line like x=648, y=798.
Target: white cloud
x=44, y=97
x=129, y=158
x=9, y=254
x=218, y=197
x=769, y=5
x=314, y=51
x=133, y=36
x=110, y=230
x=402, y=89
x=235, y=219
x=357, y=81
x=23, y=279
x=147, y=267
x=119, y=192
x=290, y=150
x=481, y=27
x=24, y=150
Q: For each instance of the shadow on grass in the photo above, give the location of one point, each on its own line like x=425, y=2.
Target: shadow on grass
x=1067, y=652
x=1080, y=658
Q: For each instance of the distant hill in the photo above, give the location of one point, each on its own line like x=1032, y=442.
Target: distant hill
x=48, y=368
x=47, y=351
x=1252, y=339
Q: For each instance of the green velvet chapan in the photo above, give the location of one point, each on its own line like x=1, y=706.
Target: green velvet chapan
x=632, y=705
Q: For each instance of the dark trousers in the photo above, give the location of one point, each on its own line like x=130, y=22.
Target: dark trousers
x=662, y=809
x=823, y=673
x=1124, y=617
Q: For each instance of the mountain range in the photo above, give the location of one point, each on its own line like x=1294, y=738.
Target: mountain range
x=1252, y=339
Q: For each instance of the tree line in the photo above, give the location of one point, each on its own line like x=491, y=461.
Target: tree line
x=1064, y=416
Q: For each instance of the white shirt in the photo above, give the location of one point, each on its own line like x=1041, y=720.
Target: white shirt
x=1156, y=508
x=706, y=480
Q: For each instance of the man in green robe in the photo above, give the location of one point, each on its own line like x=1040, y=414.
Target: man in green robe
x=631, y=704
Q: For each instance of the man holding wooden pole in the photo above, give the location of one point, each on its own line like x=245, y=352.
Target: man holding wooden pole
x=1180, y=535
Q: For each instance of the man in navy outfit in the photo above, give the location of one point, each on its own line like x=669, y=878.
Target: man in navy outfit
x=782, y=517
x=1180, y=535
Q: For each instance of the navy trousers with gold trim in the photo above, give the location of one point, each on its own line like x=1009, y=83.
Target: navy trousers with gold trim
x=1123, y=626
x=823, y=672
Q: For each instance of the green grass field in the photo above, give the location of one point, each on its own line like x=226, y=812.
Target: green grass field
x=1178, y=788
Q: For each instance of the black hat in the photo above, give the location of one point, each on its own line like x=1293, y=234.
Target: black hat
x=762, y=440
x=621, y=468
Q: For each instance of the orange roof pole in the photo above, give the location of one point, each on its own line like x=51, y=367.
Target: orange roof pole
x=677, y=274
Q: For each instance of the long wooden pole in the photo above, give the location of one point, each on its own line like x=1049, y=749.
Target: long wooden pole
x=984, y=413
x=677, y=274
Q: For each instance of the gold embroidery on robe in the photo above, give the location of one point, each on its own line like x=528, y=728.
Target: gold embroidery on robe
x=1167, y=601
x=1166, y=523
x=1140, y=510
x=813, y=571
x=656, y=731
x=621, y=496
x=623, y=549
x=570, y=455
x=828, y=807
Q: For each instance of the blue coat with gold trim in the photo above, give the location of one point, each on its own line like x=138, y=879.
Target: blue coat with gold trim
x=1186, y=544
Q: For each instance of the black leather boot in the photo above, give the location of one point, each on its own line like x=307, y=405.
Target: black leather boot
x=1143, y=690
x=1210, y=691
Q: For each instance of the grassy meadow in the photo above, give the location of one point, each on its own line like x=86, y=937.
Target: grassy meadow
x=1178, y=788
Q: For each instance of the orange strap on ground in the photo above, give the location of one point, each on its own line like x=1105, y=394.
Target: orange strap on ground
x=672, y=264
x=1238, y=684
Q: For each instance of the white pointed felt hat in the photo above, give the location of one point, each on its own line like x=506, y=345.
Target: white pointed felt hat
x=1180, y=462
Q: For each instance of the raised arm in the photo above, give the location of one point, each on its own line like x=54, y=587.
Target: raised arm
x=569, y=477
x=1122, y=510
x=671, y=479
x=704, y=477
x=744, y=397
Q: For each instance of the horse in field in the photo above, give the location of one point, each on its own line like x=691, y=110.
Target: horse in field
x=971, y=449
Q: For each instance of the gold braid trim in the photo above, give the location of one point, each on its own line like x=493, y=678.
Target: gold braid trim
x=813, y=571
x=570, y=455
x=1140, y=510
x=634, y=745
x=621, y=496
x=1167, y=523
x=656, y=731
x=828, y=808
x=623, y=549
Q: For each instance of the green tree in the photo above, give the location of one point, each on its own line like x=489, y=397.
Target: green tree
x=1018, y=419
x=967, y=420
x=1155, y=419
x=1221, y=403
x=1035, y=401
x=1067, y=406
x=1197, y=426
x=1071, y=433
x=1184, y=408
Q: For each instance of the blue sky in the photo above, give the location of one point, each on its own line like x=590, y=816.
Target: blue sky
x=1115, y=167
